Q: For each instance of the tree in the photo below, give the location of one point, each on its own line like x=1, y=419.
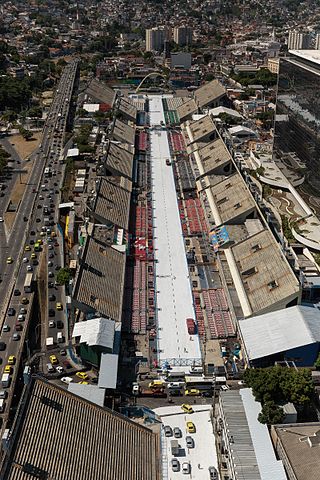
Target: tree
x=63, y=276
x=27, y=134
x=279, y=385
x=271, y=414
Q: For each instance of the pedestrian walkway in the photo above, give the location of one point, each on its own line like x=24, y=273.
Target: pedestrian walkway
x=174, y=296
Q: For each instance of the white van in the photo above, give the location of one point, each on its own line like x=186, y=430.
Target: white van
x=2, y=404
x=50, y=368
x=60, y=337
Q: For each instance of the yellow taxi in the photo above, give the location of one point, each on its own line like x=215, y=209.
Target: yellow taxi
x=8, y=369
x=82, y=375
x=83, y=383
x=12, y=360
x=24, y=301
x=53, y=359
x=39, y=241
x=186, y=408
x=58, y=306
x=33, y=256
x=27, y=248
x=9, y=260
x=192, y=391
x=191, y=428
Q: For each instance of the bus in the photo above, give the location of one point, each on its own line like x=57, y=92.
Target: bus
x=28, y=283
x=36, y=247
x=199, y=383
x=47, y=172
x=175, y=376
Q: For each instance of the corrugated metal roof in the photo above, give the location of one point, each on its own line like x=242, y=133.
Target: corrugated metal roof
x=250, y=446
x=64, y=437
x=280, y=331
x=96, y=332
x=108, y=371
x=89, y=392
x=269, y=466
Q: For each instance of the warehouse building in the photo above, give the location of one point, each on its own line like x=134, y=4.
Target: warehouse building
x=76, y=439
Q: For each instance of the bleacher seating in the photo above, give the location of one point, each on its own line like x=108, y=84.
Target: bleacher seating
x=176, y=142
x=196, y=221
x=199, y=314
x=216, y=308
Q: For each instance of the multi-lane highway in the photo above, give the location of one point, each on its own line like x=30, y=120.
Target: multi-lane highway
x=40, y=202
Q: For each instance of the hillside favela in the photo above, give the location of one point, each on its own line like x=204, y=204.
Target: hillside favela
x=159, y=240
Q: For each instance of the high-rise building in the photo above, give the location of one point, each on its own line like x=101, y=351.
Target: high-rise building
x=182, y=35
x=297, y=121
x=155, y=38
x=317, y=42
x=298, y=40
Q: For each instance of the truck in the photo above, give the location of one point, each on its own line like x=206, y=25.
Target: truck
x=60, y=337
x=191, y=326
x=5, y=380
x=46, y=221
x=156, y=385
x=146, y=392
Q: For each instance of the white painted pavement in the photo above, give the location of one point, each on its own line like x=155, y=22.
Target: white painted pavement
x=204, y=454
x=174, y=295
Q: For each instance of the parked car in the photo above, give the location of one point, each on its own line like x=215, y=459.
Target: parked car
x=213, y=473
x=175, y=465
x=186, y=468
x=66, y=379
x=189, y=442
x=168, y=431
x=177, y=432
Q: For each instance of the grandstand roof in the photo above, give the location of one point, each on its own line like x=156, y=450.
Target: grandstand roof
x=186, y=109
x=209, y=93
x=77, y=439
x=100, y=92
x=100, y=280
x=200, y=129
x=265, y=274
x=212, y=156
x=231, y=199
x=128, y=109
x=112, y=203
x=119, y=160
x=123, y=132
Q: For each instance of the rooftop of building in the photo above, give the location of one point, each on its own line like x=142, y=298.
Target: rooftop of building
x=77, y=439
x=264, y=271
x=112, y=203
x=231, y=199
x=123, y=132
x=120, y=160
x=280, y=331
x=187, y=109
x=301, y=445
x=128, y=109
x=310, y=55
x=100, y=92
x=212, y=156
x=252, y=451
x=100, y=279
x=95, y=332
x=209, y=93
x=198, y=129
